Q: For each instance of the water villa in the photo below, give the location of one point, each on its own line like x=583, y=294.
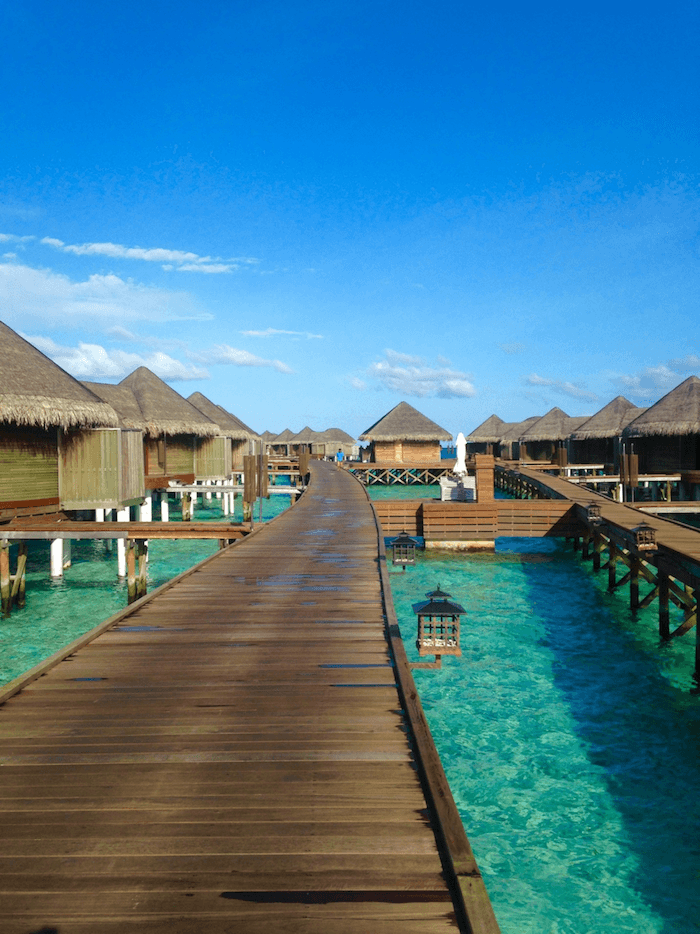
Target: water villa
x=405, y=436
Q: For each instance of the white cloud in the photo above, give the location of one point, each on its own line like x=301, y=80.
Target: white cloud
x=357, y=383
x=232, y=356
x=93, y=361
x=182, y=260
x=39, y=295
x=654, y=381
x=205, y=267
x=411, y=376
x=13, y=238
x=561, y=386
x=270, y=332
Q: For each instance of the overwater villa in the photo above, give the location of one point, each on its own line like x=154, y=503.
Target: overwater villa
x=598, y=440
x=172, y=426
x=485, y=438
x=216, y=458
x=666, y=437
x=545, y=440
x=61, y=446
x=405, y=436
x=509, y=441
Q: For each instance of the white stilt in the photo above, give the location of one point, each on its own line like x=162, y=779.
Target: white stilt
x=100, y=515
x=224, y=504
x=164, y=506
x=219, y=483
x=57, y=557
x=208, y=495
x=122, y=516
x=146, y=509
x=67, y=553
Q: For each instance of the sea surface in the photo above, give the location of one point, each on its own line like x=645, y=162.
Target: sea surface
x=569, y=735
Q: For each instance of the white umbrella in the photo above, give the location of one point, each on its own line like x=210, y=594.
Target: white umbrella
x=461, y=465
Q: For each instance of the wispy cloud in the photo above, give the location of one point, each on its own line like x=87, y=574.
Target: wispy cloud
x=39, y=295
x=93, y=361
x=181, y=260
x=654, y=381
x=272, y=332
x=412, y=376
x=561, y=386
x=233, y=356
x=13, y=238
x=513, y=348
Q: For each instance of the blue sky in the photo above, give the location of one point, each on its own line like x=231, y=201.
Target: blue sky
x=310, y=211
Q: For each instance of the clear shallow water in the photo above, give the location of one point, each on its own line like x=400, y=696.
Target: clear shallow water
x=569, y=737
x=59, y=611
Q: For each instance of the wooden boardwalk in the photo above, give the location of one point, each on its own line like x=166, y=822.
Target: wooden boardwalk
x=242, y=752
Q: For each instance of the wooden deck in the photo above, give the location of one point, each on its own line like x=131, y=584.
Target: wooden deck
x=244, y=751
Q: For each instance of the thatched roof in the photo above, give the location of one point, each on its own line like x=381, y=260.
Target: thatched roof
x=678, y=413
x=284, y=437
x=404, y=423
x=123, y=401
x=555, y=425
x=511, y=431
x=229, y=427
x=164, y=410
x=36, y=391
x=488, y=432
x=248, y=432
x=609, y=422
x=305, y=436
x=335, y=436
x=267, y=436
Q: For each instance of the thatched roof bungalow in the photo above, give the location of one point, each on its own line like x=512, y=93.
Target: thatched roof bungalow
x=488, y=434
x=405, y=436
x=279, y=446
x=598, y=440
x=667, y=435
x=542, y=440
x=509, y=440
x=48, y=434
x=244, y=443
x=171, y=425
x=331, y=441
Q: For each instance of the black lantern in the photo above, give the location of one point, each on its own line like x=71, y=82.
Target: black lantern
x=403, y=550
x=438, y=624
x=645, y=537
x=593, y=516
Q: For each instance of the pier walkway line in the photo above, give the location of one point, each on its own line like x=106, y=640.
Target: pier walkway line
x=244, y=752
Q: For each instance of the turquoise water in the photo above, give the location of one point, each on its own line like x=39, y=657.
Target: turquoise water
x=569, y=737
x=58, y=611
x=568, y=734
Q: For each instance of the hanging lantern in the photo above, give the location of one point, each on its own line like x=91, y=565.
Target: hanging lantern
x=403, y=550
x=593, y=516
x=438, y=624
x=645, y=537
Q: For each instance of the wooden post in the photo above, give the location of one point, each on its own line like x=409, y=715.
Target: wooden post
x=18, y=588
x=142, y=556
x=585, y=548
x=597, y=548
x=634, y=583
x=5, y=589
x=664, y=618
x=130, y=570
x=612, y=567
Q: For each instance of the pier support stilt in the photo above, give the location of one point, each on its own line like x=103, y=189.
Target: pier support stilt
x=57, y=557
x=122, y=516
x=634, y=583
x=130, y=571
x=146, y=509
x=5, y=587
x=664, y=616
x=164, y=506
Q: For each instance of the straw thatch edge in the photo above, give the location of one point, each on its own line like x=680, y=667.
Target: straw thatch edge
x=45, y=412
x=410, y=434
x=156, y=427
x=655, y=429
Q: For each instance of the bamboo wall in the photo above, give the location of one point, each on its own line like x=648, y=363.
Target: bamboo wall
x=212, y=458
x=100, y=468
x=405, y=452
x=179, y=455
x=28, y=468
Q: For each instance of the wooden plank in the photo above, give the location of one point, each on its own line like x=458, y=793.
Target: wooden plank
x=231, y=754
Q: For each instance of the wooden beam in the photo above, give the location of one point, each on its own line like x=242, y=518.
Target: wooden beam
x=131, y=571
